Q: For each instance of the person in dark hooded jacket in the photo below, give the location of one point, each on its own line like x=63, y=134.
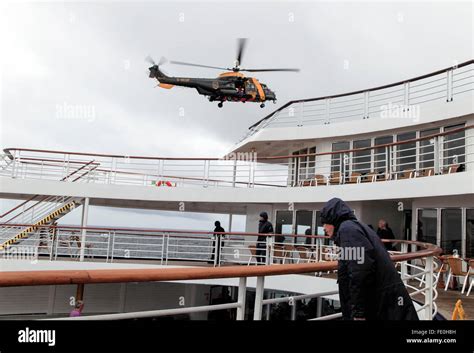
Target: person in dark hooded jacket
x=264, y=227
x=370, y=287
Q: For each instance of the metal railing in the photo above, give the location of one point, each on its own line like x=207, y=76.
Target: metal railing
x=167, y=246
x=102, y=243
x=376, y=103
x=441, y=153
x=39, y=209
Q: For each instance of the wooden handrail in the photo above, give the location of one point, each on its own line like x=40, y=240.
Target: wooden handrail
x=467, y=127
x=60, y=277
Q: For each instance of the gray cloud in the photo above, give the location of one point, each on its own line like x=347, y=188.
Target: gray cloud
x=91, y=55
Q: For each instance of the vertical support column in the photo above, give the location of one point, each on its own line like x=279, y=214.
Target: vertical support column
x=14, y=166
x=403, y=265
x=229, y=226
x=429, y=288
x=328, y=111
x=293, y=311
x=300, y=117
x=406, y=99
x=234, y=173
x=449, y=85
x=80, y=292
x=85, y=214
x=269, y=252
x=366, y=105
x=257, y=312
x=241, y=298
x=206, y=172
x=319, y=306
x=437, y=169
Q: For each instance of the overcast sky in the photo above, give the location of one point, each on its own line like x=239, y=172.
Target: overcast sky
x=90, y=56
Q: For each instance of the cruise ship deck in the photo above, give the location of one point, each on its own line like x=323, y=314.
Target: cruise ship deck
x=402, y=152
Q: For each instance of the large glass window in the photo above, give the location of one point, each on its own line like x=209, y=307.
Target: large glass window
x=454, y=146
x=380, y=154
x=406, y=153
x=427, y=226
x=427, y=149
x=304, y=225
x=451, y=230
x=336, y=158
x=470, y=233
x=284, y=225
x=361, y=159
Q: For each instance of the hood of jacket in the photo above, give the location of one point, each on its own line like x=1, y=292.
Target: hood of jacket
x=335, y=212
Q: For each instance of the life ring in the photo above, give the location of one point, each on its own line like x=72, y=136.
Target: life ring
x=164, y=183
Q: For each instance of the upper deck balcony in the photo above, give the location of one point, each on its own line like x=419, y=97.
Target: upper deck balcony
x=428, y=98
x=432, y=165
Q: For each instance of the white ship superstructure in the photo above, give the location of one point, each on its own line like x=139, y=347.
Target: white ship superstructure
x=402, y=152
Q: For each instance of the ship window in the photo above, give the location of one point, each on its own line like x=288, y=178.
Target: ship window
x=470, y=233
x=304, y=167
x=284, y=225
x=454, y=146
x=406, y=153
x=336, y=158
x=361, y=159
x=426, y=150
x=304, y=226
x=451, y=230
x=427, y=226
x=380, y=154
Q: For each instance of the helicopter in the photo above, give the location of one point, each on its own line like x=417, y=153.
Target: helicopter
x=229, y=86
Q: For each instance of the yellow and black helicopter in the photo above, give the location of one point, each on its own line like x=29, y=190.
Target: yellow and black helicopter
x=230, y=86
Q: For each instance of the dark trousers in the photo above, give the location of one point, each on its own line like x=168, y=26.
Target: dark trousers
x=261, y=252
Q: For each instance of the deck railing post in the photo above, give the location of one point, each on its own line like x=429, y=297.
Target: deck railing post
x=85, y=214
x=403, y=264
x=234, y=173
x=269, y=252
x=429, y=288
x=241, y=298
x=437, y=169
x=259, y=290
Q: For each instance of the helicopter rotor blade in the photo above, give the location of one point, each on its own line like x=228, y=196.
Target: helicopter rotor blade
x=162, y=61
x=241, y=43
x=150, y=60
x=269, y=70
x=198, y=65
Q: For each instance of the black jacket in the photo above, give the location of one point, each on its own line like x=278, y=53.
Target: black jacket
x=219, y=230
x=264, y=227
x=373, y=288
x=386, y=234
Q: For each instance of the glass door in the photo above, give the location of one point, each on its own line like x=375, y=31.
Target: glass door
x=304, y=226
x=283, y=226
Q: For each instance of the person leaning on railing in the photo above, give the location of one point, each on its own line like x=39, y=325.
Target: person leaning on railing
x=370, y=287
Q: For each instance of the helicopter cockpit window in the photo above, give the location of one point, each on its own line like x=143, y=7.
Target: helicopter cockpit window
x=249, y=86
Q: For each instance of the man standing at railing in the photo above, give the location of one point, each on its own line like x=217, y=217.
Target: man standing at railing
x=370, y=287
x=264, y=227
x=217, y=244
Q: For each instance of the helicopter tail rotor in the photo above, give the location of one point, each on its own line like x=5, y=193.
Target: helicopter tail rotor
x=155, y=71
